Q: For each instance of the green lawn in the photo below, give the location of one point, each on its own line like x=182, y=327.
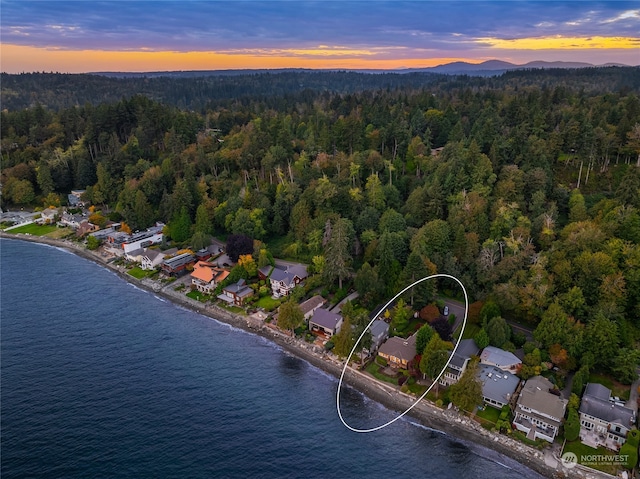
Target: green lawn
x=34, y=229
x=489, y=413
x=268, y=303
x=140, y=273
x=580, y=450
x=198, y=296
x=233, y=309
x=373, y=370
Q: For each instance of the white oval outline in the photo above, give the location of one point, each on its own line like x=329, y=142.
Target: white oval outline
x=344, y=369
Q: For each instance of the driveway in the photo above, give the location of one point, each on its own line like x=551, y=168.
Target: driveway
x=457, y=308
x=338, y=307
x=632, y=403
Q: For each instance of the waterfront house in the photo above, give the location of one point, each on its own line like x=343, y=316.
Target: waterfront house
x=177, y=266
x=236, y=293
x=85, y=228
x=498, y=386
x=72, y=221
x=325, y=322
x=284, y=280
x=151, y=259
x=398, y=351
x=135, y=255
x=603, y=421
x=539, y=412
x=48, y=216
x=458, y=364
x=379, y=333
x=206, y=276
x=492, y=356
x=310, y=306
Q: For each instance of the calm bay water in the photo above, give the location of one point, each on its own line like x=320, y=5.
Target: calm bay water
x=101, y=379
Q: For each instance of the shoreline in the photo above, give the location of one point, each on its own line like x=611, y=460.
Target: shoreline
x=445, y=421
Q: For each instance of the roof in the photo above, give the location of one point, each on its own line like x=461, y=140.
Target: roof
x=179, y=260
x=170, y=251
x=152, y=254
x=401, y=348
x=266, y=270
x=312, y=303
x=378, y=328
x=325, y=318
x=499, y=357
x=535, y=395
x=239, y=289
x=136, y=252
x=287, y=275
x=497, y=384
x=466, y=349
x=597, y=391
x=604, y=409
x=207, y=272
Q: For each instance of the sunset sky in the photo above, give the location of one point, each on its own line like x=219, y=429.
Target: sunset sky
x=88, y=36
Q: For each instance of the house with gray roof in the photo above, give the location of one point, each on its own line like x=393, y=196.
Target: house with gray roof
x=539, y=412
x=458, y=364
x=492, y=356
x=236, y=293
x=283, y=280
x=325, y=322
x=310, y=306
x=151, y=259
x=398, y=351
x=379, y=333
x=603, y=422
x=498, y=386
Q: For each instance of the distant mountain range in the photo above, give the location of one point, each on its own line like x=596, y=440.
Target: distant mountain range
x=494, y=67
x=488, y=68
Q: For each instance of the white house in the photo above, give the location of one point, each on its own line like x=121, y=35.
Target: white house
x=603, y=422
x=284, y=280
x=458, y=364
x=539, y=412
x=325, y=322
x=492, y=356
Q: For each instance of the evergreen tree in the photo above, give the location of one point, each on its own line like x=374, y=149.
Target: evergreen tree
x=337, y=257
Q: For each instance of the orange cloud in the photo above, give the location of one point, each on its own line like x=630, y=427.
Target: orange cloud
x=559, y=42
x=16, y=59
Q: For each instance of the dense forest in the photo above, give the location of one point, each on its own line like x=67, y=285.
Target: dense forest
x=526, y=186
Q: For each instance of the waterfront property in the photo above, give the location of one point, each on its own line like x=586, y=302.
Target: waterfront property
x=48, y=216
x=492, y=356
x=206, y=276
x=466, y=350
x=151, y=259
x=283, y=280
x=325, y=322
x=602, y=421
x=178, y=265
x=236, y=293
x=538, y=412
x=398, y=351
x=123, y=243
x=498, y=386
